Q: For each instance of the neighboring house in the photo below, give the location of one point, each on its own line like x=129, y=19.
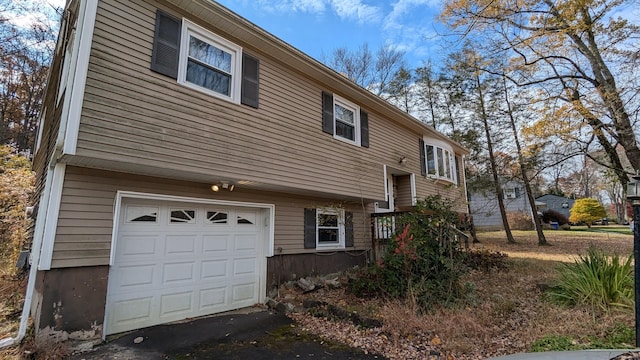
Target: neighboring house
x=560, y=204
x=188, y=162
x=486, y=212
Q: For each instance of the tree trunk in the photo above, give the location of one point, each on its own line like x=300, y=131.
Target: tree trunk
x=523, y=169
x=492, y=161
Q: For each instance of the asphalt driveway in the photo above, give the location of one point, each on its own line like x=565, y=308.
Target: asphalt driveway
x=242, y=336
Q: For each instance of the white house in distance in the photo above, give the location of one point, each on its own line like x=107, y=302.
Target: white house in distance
x=486, y=212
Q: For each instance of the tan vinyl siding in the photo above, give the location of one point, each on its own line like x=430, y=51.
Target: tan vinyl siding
x=133, y=115
x=86, y=213
x=403, y=195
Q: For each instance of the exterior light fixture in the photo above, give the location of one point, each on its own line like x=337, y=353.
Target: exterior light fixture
x=403, y=160
x=224, y=185
x=633, y=195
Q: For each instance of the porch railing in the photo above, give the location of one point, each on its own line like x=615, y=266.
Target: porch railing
x=385, y=225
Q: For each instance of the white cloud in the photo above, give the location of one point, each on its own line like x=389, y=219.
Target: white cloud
x=304, y=6
x=356, y=10
x=350, y=10
x=404, y=7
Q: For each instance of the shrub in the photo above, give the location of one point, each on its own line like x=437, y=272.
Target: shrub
x=423, y=261
x=553, y=215
x=596, y=280
x=519, y=220
x=553, y=343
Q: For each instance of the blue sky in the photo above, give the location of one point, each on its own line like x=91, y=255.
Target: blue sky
x=317, y=27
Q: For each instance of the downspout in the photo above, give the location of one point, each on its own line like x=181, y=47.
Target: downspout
x=33, y=270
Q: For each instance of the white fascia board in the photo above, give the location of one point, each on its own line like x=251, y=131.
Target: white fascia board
x=72, y=108
x=413, y=190
x=120, y=195
x=52, y=210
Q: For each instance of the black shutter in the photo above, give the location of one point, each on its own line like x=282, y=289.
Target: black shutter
x=423, y=158
x=517, y=190
x=309, y=228
x=166, y=45
x=327, y=113
x=250, y=66
x=457, y=169
x=364, y=129
x=348, y=229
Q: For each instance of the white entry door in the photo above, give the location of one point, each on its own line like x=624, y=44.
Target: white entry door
x=179, y=260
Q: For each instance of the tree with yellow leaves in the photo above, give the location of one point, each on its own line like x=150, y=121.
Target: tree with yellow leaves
x=586, y=210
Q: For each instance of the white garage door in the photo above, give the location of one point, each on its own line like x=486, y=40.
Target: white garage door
x=179, y=260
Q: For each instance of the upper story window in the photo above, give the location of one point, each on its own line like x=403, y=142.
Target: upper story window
x=204, y=61
x=347, y=120
x=209, y=63
x=344, y=120
x=438, y=161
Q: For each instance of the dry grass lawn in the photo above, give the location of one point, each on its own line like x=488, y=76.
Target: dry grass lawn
x=507, y=312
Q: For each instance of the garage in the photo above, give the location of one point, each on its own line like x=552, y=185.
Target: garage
x=174, y=260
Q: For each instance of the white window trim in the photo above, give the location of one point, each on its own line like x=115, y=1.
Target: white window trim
x=341, y=230
x=189, y=28
x=452, y=161
x=356, y=119
x=510, y=193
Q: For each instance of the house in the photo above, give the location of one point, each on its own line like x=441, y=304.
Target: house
x=483, y=205
x=188, y=162
x=560, y=204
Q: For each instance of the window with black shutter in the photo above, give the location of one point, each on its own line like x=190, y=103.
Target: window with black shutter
x=328, y=229
x=204, y=61
x=344, y=120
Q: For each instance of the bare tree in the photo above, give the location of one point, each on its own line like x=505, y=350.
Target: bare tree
x=577, y=47
x=25, y=53
x=371, y=71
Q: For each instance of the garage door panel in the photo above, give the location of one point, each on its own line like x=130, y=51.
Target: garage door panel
x=214, y=269
x=183, y=244
x=245, y=242
x=244, y=266
x=243, y=292
x=174, y=261
x=213, y=297
x=131, y=311
x=178, y=273
x=175, y=304
x=137, y=245
x=215, y=243
x=135, y=276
